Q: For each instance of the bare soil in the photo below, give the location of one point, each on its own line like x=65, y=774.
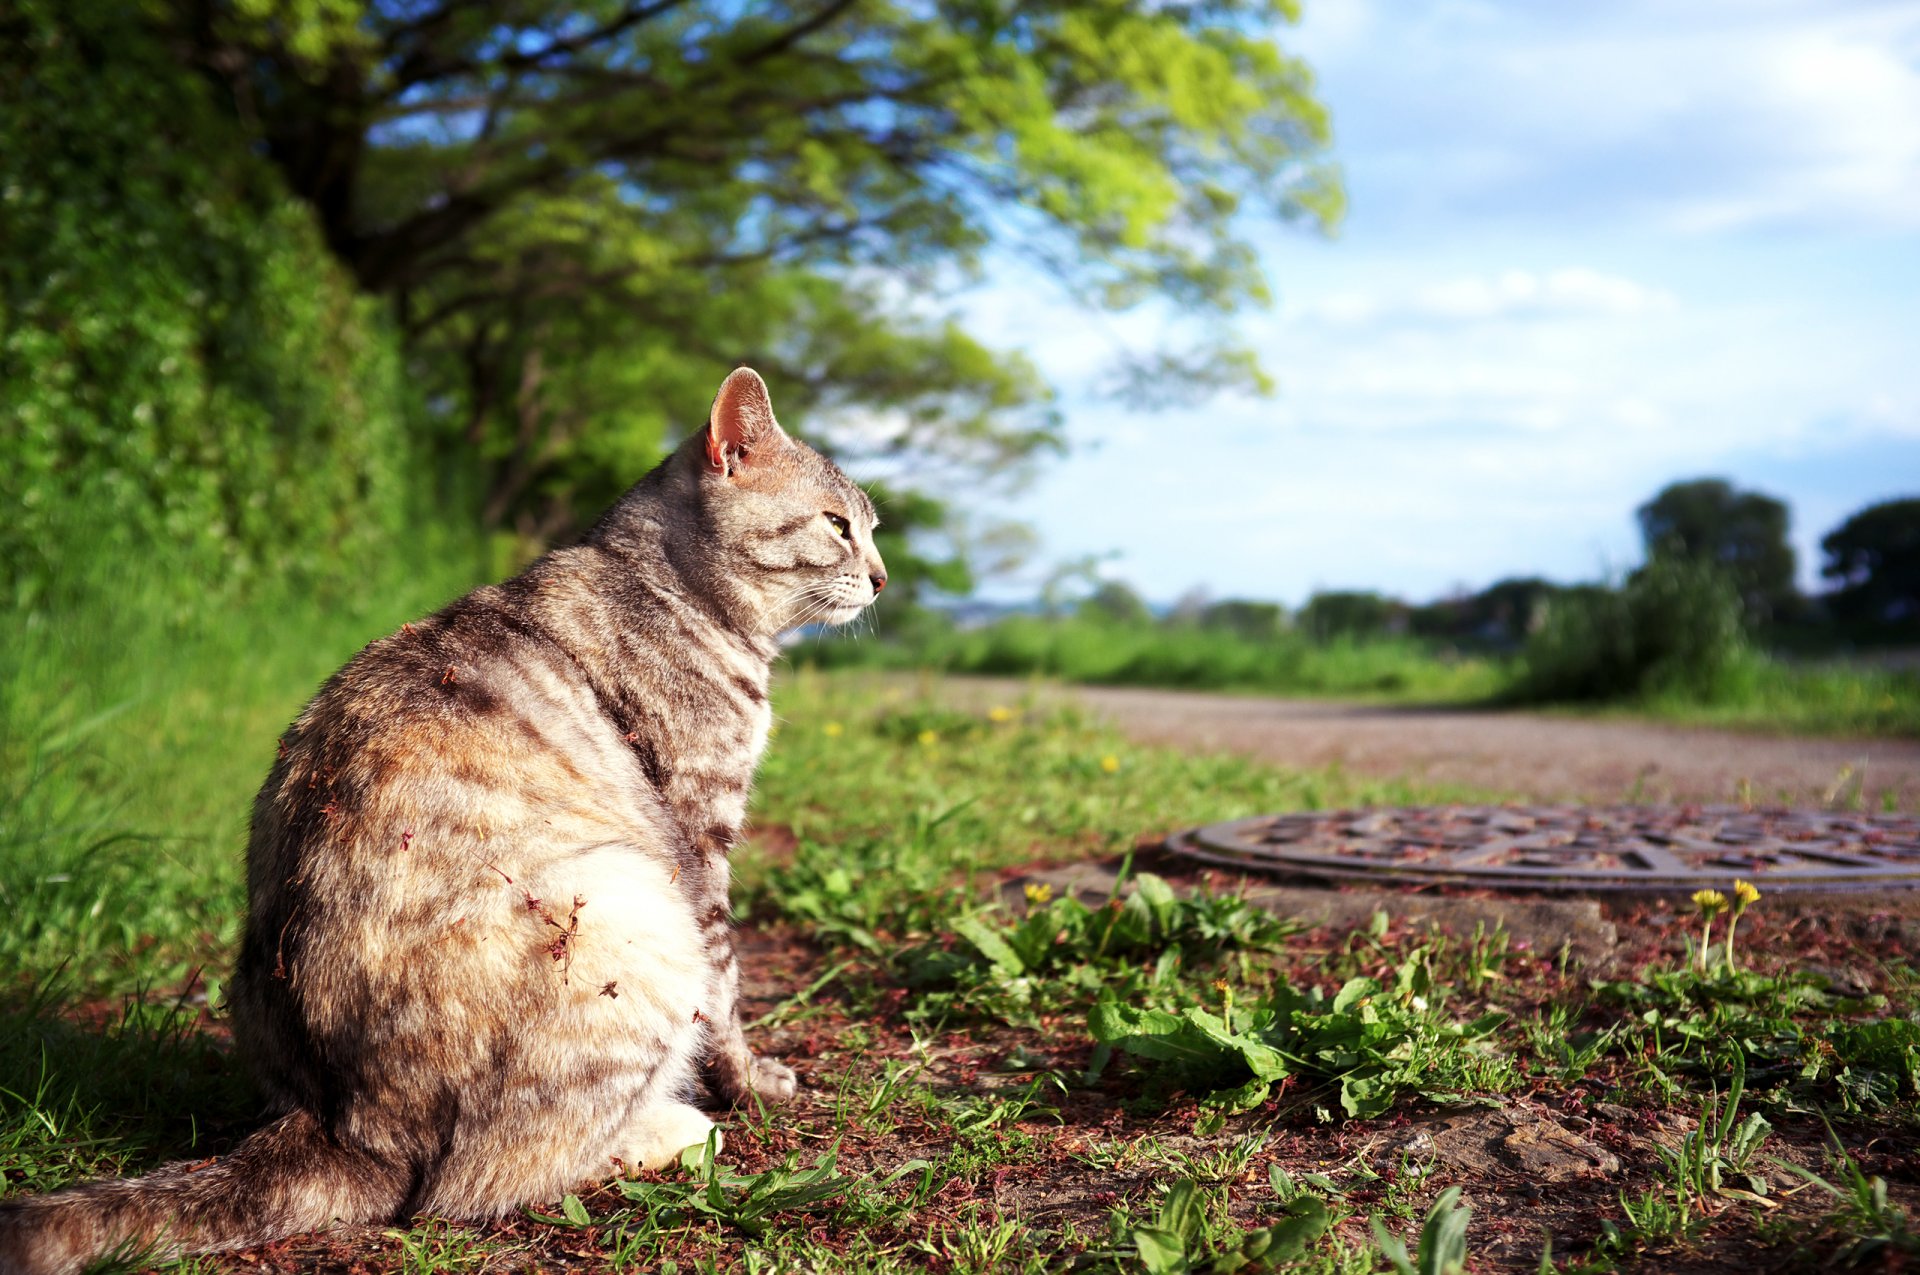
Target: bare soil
x=1531, y=756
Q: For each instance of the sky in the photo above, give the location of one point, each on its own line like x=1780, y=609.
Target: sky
x=1591, y=248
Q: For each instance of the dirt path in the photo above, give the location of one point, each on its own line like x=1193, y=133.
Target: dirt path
x=1527, y=755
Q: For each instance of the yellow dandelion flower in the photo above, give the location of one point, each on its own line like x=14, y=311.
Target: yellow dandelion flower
x=1746, y=894
x=999, y=713
x=1039, y=892
x=833, y=730
x=929, y=737
x=1711, y=903
x=1110, y=763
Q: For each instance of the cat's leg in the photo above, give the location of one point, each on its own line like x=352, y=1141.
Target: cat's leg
x=731, y=1070
x=655, y=1137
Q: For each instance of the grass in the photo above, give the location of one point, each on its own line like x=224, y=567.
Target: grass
x=1170, y=1080
x=1752, y=691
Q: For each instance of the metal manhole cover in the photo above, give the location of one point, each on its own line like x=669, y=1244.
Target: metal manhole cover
x=1585, y=848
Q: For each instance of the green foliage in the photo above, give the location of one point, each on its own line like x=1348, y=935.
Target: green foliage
x=1255, y=621
x=1740, y=534
x=1785, y=1030
x=1373, y=1042
x=1116, y=602
x=1866, y=1226
x=1180, y=1240
x=133, y=737
x=1442, y=1249
x=588, y=212
x=1500, y=616
x=183, y=369
x=1674, y=629
x=1063, y=953
x=1080, y=650
x=1873, y=560
x=1348, y=614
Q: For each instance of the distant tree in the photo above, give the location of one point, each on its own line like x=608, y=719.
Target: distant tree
x=1189, y=608
x=1743, y=533
x=1501, y=615
x=1873, y=559
x=1350, y=614
x=1116, y=602
x=1256, y=621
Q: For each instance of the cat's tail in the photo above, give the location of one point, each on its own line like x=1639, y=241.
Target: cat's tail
x=287, y=1178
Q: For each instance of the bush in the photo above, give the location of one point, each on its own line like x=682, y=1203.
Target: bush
x=185, y=373
x=1674, y=629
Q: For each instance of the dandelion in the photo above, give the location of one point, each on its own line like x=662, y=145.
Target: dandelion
x=999, y=713
x=1225, y=989
x=929, y=737
x=1711, y=903
x=1110, y=764
x=1038, y=892
x=1744, y=897
x=833, y=730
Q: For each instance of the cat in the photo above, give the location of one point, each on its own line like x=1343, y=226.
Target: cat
x=488, y=952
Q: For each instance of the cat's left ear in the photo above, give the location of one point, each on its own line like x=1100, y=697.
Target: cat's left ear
x=741, y=423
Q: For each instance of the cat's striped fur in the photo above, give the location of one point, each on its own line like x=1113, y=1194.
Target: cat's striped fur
x=488, y=951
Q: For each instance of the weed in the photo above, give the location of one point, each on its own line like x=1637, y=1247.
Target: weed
x=1442, y=1248
x=1865, y=1226
x=1182, y=1239
x=1372, y=1042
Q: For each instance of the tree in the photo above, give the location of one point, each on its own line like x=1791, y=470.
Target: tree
x=584, y=209
x=1339, y=614
x=1255, y=621
x=1743, y=533
x=1873, y=559
x=1116, y=602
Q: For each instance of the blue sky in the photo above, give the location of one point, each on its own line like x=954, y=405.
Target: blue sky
x=1590, y=248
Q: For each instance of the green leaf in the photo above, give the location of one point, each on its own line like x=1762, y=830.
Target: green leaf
x=575, y=1211
x=988, y=942
x=1303, y=1221
x=1161, y=1252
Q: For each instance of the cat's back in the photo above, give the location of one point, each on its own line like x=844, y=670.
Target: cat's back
x=476, y=725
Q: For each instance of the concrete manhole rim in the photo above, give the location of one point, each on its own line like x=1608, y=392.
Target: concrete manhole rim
x=1586, y=849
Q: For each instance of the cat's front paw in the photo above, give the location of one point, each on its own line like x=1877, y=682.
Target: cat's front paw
x=773, y=1081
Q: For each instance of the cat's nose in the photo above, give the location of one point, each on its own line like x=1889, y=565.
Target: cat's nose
x=879, y=583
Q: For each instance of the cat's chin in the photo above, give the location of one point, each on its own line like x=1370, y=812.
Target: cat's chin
x=842, y=615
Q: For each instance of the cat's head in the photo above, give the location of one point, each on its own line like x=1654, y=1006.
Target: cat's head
x=791, y=531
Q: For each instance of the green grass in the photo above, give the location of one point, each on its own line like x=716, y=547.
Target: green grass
x=133, y=735
x=1752, y=691
x=1101, y=653
x=1171, y=1080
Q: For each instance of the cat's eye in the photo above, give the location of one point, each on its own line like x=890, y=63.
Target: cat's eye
x=841, y=526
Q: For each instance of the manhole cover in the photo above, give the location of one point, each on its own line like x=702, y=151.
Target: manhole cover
x=1574, y=847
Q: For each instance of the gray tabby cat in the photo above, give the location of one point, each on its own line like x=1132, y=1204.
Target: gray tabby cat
x=488, y=952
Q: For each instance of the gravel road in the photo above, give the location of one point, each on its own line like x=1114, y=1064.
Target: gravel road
x=1530, y=756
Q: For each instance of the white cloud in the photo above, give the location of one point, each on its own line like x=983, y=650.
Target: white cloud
x=1511, y=294
x=1700, y=117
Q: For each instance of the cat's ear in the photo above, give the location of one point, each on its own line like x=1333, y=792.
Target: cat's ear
x=741, y=423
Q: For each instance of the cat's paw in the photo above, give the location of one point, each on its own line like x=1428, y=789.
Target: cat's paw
x=656, y=1138
x=774, y=1081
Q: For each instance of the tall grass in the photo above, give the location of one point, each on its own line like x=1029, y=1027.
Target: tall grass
x=1106, y=653
x=1666, y=646
x=134, y=729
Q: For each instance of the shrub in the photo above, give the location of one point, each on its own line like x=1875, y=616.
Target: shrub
x=185, y=373
x=1674, y=629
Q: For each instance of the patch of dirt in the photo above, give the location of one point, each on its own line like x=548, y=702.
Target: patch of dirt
x=1530, y=756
